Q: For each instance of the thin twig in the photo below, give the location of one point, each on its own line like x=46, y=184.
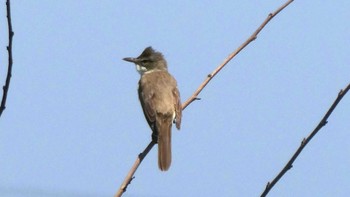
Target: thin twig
x=132, y=171
x=9, y=68
x=194, y=97
x=232, y=55
x=305, y=141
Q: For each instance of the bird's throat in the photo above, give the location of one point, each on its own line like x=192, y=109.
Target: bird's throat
x=141, y=69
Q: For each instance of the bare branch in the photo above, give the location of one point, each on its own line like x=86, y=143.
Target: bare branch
x=133, y=169
x=9, y=68
x=232, y=55
x=194, y=97
x=305, y=141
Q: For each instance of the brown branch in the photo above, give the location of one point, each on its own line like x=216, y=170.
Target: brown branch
x=232, y=55
x=9, y=68
x=304, y=142
x=130, y=175
x=133, y=169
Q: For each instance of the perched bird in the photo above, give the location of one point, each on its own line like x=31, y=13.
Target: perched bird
x=160, y=100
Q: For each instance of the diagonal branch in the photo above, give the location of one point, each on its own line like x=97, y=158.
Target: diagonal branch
x=305, y=141
x=232, y=55
x=133, y=169
x=194, y=97
x=9, y=68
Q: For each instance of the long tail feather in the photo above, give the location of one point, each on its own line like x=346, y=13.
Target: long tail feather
x=164, y=143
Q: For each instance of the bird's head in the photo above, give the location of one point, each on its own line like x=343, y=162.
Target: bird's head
x=149, y=61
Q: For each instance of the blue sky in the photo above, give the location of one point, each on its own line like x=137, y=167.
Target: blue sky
x=73, y=125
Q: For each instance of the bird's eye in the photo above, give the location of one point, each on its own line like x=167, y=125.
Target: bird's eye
x=144, y=62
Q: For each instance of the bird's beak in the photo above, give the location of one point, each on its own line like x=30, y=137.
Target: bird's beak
x=130, y=59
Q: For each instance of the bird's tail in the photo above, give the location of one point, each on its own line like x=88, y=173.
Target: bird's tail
x=164, y=142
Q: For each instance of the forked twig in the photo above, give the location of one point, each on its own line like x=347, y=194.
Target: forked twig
x=10, y=61
x=305, y=141
x=194, y=97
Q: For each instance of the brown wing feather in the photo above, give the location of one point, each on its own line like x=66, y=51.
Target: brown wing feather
x=178, y=108
x=147, y=106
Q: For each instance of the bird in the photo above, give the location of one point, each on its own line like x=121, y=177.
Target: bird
x=160, y=100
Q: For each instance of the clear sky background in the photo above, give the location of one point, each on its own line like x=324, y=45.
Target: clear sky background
x=73, y=125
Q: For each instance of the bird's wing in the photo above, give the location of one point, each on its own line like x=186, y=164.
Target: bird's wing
x=145, y=98
x=178, y=107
